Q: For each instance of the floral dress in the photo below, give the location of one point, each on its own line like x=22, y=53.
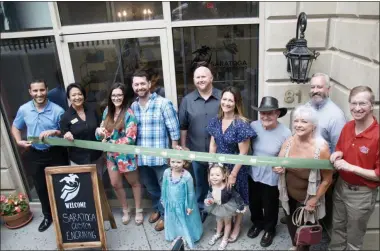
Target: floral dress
x=176, y=197
x=121, y=162
x=227, y=143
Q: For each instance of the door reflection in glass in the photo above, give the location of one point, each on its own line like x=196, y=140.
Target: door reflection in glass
x=99, y=64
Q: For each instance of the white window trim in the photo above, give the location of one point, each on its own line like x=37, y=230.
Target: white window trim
x=25, y=34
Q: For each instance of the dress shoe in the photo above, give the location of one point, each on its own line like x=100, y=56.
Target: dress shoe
x=203, y=216
x=267, y=239
x=45, y=224
x=160, y=225
x=254, y=231
x=154, y=217
x=283, y=220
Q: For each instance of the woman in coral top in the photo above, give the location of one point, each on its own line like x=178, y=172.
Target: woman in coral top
x=119, y=126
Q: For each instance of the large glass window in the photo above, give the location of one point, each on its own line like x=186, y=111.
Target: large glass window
x=189, y=10
x=98, y=64
x=233, y=52
x=23, y=16
x=23, y=60
x=74, y=13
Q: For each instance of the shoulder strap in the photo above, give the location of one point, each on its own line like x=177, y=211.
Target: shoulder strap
x=288, y=147
x=317, y=153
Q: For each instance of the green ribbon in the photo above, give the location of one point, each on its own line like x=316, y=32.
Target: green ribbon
x=189, y=155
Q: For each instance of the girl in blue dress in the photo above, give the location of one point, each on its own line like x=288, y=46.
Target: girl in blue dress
x=182, y=216
x=231, y=134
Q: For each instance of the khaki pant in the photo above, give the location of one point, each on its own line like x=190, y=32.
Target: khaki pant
x=352, y=208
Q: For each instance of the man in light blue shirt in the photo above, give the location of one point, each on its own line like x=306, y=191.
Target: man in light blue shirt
x=41, y=119
x=263, y=190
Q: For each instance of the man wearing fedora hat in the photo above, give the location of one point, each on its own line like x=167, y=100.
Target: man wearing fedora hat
x=263, y=191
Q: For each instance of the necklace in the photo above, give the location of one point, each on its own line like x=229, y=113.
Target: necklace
x=180, y=177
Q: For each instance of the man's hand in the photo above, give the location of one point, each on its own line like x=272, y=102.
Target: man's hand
x=336, y=156
x=24, y=144
x=341, y=164
x=69, y=136
x=48, y=133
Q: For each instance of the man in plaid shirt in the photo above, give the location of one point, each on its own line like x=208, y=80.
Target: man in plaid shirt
x=157, y=122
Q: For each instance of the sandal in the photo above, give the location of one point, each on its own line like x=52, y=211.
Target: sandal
x=126, y=217
x=214, y=238
x=233, y=239
x=223, y=244
x=139, y=218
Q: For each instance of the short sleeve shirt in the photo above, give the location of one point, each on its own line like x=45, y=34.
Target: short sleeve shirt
x=360, y=150
x=37, y=122
x=194, y=115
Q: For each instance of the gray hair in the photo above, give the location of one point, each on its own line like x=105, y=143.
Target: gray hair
x=309, y=114
x=325, y=77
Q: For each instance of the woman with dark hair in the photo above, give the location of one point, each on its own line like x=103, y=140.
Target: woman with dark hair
x=230, y=134
x=80, y=122
x=119, y=126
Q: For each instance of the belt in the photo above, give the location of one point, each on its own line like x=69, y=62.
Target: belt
x=356, y=187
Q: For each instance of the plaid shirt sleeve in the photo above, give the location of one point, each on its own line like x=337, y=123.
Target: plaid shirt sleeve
x=171, y=120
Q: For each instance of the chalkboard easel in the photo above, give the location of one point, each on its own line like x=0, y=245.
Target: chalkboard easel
x=79, y=206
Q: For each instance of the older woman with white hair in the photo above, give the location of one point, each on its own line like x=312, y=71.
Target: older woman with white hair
x=304, y=187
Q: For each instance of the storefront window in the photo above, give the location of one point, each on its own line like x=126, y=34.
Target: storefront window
x=231, y=50
x=74, y=13
x=98, y=64
x=23, y=60
x=24, y=16
x=189, y=10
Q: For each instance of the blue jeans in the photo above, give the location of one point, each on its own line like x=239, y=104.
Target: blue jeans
x=151, y=178
x=200, y=170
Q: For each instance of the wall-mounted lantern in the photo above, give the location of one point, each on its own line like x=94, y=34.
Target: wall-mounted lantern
x=299, y=56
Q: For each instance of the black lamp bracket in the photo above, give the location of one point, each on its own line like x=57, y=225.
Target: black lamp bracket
x=301, y=24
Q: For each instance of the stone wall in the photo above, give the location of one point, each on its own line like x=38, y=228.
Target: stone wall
x=347, y=36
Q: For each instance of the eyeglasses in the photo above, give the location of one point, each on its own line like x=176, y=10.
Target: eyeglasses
x=360, y=104
x=117, y=95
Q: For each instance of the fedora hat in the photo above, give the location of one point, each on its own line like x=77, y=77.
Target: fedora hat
x=270, y=104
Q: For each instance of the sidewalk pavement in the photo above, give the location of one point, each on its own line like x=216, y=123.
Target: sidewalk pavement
x=143, y=237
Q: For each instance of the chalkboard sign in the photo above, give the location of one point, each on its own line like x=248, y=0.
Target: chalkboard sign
x=76, y=206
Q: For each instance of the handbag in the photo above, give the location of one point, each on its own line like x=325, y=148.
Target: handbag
x=306, y=234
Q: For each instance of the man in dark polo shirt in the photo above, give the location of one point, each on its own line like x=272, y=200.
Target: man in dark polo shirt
x=195, y=112
x=357, y=159
x=41, y=119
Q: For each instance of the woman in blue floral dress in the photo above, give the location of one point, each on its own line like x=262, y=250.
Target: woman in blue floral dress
x=119, y=126
x=231, y=134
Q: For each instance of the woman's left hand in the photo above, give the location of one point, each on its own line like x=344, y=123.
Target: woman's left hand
x=311, y=204
x=231, y=181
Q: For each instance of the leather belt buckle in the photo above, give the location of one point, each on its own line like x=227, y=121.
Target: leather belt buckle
x=353, y=188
